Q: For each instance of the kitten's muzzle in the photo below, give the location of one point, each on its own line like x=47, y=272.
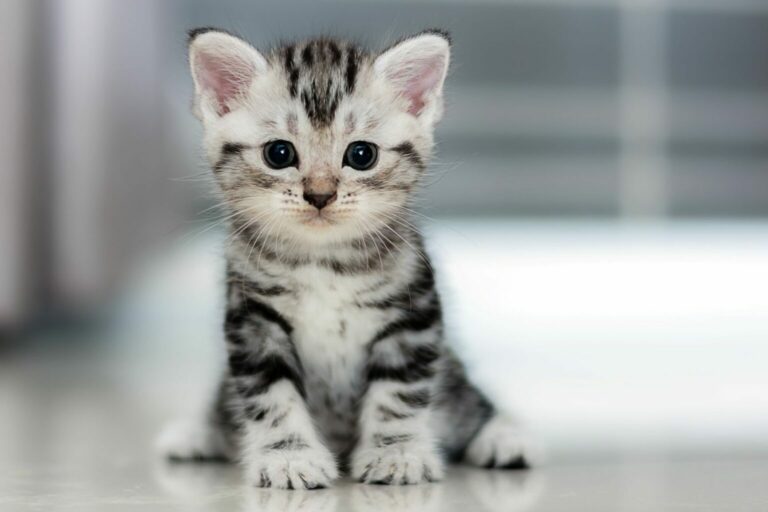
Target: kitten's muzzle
x=320, y=201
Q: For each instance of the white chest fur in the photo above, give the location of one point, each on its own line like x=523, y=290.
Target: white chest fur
x=331, y=333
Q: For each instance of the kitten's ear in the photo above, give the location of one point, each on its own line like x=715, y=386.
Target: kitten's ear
x=223, y=67
x=416, y=67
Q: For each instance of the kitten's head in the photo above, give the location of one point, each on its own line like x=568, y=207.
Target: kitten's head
x=320, y=141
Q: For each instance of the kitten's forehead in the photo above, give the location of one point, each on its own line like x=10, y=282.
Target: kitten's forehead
x=320, y=73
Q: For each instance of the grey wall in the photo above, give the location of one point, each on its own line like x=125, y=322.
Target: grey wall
x=603, y=108
x=577, y=108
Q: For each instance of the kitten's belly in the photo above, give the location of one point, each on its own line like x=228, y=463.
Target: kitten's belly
x=333, y=394
x=333, y=368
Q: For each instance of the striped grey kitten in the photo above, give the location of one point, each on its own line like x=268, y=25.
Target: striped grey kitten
x=333, y=327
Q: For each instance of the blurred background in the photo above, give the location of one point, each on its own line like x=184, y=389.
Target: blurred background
x=598, y=211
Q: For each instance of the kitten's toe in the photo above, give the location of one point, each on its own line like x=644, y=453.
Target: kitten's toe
x=190, y=440
x=501, y=444
x=310, y=468
x=401, y=464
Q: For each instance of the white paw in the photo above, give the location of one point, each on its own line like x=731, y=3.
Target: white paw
x=192, y=440
x=305, y=468
x=500, y=444
x=397, y=464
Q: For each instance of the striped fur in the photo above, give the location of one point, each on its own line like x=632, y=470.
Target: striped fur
x=334, y=326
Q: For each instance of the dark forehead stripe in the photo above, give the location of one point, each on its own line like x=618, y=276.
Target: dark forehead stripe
x=350, y=73
x=320, y=72
x=335, y=52
x=291, y=71
x=306, y=56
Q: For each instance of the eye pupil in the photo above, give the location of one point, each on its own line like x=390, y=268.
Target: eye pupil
x=361, y=155
x=280, y=154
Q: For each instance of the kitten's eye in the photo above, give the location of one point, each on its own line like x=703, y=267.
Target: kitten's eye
x=361, y=155
x=280, y=154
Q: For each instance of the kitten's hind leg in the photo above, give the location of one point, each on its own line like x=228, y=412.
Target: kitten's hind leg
x=473, y=431
x=204, y=438
x=501, y=444
x=193, y=440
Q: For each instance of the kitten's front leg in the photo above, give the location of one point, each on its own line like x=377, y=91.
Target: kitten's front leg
x=396, y=443
x=280, y=446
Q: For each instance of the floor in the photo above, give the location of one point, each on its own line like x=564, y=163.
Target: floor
x=636, y=354
x=138, y=484
x=80, y=439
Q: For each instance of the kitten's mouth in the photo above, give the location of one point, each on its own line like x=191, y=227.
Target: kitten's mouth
x=318, y=218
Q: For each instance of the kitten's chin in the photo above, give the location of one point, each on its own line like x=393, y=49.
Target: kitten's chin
x=322, y=229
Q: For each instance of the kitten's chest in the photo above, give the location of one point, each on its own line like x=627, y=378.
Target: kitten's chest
x=331, y=332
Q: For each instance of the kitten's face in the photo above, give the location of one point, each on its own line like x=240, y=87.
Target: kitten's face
x=318, y=143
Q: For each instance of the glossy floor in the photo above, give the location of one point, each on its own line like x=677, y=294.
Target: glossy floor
x=142, y=485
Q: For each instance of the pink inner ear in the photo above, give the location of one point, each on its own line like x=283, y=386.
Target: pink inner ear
x=226, y=77
x=418, y=80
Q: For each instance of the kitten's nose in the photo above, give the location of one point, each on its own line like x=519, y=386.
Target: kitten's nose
x=319, y=201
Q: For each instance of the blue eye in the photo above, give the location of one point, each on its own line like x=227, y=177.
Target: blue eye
x=280, y=154
x=361, y=155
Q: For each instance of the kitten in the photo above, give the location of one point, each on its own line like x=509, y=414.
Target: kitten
x=333, y=327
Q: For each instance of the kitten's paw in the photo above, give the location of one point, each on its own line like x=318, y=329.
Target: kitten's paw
x=500, y=444
x=190, y=440
x=306, y=468
x=397, y=464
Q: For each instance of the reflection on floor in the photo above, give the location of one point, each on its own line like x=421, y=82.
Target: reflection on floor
x=121, y=481
x=464, y=489
x=636, y=353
